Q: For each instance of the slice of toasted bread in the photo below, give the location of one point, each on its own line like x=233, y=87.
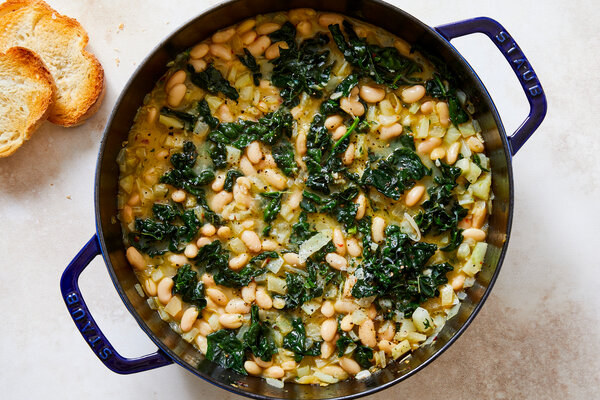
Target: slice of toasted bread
x=60, y=42
x=26, y=94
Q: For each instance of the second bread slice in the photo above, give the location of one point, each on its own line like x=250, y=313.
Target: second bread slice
x=60, y=42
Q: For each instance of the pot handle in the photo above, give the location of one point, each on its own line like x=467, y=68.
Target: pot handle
x=69, y=286
x=520, y=65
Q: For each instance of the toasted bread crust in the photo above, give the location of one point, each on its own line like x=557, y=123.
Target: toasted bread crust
x=67, y=110
x=22, y=63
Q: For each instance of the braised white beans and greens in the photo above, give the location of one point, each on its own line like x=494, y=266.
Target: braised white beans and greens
x=304, y=197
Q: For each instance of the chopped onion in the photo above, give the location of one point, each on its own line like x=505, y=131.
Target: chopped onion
x=314, y=244
x=324, y=377
x=233, y=155
x=201, y=127
x=275, y=382
x=415, y=235
x=275, y=265
x=364, y=374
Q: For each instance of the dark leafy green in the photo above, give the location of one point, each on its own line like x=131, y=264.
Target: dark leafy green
x=183, y=176
x=296, y=341
x=191, y=289
x=398, y=172
x=230, y=178
x=283, y=153
x=259, y=338
x=363, y=356
x=300, y=68
x=170, y=230
x=300, y=289
x=436, y=88
x=212, y=81
x=250, y=62
x=225, y=349
x=398, y=270
x=205, y=115
x=385, y=65
x=441, y=212
x=272, y=208
x=301, y=230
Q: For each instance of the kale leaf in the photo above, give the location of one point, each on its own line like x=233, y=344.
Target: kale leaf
x=283, y=153
x=171, y=230
x=385, y=65
x=212, y=81
x=436, y=88
x=301, y=231
x=441, y=212
x=259, y=338
x=363, y=356
x=300, y=68
x=398, y=172
x=205, y=115
x=183, y=176
x=395, y=270
x=273, y=207
x=191, y=289
x=300, y=289
x=225, y=349
x=250, y=62
x=296, y=341
x=230, y=178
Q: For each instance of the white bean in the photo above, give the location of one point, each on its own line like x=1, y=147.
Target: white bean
x=474, y=233
x=252, y=368
x=231, y=321
x=346, y=323
x=345, y=306
x=258, y=47
x=275, y=179
x=372, y=94
x=452, y=153
x=199, y=51
x=237, y=306
x=443, y=113
x=339, y=242
x=390, y=132
x=301, y=144
x=218, y=183
x=328, y=329
x=263, y=300
x=191, y=250
x=336, y=261
x=274, y=372
x=333, y=121
x=353, y=247
x=272, y=51
x=246, y=26
x=437, y=153
x=217, y=296
x=220, y=200
x=413, y=94
x=366, y=333
x=208, y=230
x=189, y=317
x=150, y=287
x=248, y=37
x=427, y=145
x=361, y=202
x=267, y=27
x=327, y=308
x=175, y=79
x=348, y=157
x=414, y=195
x=239, y=261
x=254, y=153
x=224, y=232
x=164, y=290
x=252, y=241
x=223, y=36
x=135, y=258
x=327, y=349
x=292, y=259
x=327, y=19
x=349, y=365
x=176, y=94
x=377, y=229
x=249, y=292
x=222, y=51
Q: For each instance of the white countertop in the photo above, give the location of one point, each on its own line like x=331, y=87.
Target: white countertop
x=538, y=335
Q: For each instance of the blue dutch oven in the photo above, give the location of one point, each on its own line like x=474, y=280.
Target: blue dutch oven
x=108, y=238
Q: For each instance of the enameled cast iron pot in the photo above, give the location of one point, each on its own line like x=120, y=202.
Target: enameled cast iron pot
x=108, y=239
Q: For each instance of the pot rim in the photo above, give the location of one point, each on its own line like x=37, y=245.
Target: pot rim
x=481, y=90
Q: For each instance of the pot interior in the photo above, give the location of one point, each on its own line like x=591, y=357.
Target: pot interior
x=142, y=82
